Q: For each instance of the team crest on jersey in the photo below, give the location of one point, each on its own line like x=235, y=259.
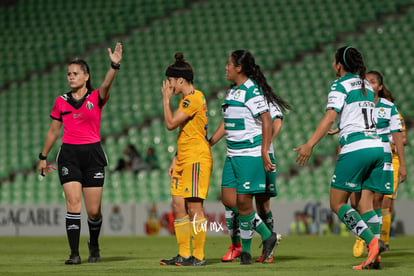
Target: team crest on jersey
x=237, y=94
x=186, y=103
x=381, y=112
x=89, y=105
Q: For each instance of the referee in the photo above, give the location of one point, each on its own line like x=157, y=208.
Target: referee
x=81, y=159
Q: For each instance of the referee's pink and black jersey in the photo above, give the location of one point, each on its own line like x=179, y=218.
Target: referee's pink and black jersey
x=81, y=119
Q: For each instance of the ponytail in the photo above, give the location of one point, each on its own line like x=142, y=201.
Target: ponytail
x=252, y=70
x=353, y=62
x=180, y=68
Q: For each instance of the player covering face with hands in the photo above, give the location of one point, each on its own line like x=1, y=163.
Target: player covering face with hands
x=190, y=168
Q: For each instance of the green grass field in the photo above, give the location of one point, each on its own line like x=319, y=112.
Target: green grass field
x=305, y=255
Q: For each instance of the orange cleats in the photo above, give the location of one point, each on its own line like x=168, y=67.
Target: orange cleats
x=375, y=248
x=234, y=252
x=269, y=260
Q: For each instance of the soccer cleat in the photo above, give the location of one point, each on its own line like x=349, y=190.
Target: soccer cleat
x=245, y=258
x=94, y=256
x=233, y=253
x=359, y=247
x=268, y=245
x=73, y=260
x=375, y=248
x=191, y=261
x=376, y=264
x=270, y=259
x=172, y=261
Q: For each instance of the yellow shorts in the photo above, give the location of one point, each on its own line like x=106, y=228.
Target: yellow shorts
x=396, y=165
x=191, y=179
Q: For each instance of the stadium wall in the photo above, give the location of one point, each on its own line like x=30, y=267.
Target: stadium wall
x=144, y=219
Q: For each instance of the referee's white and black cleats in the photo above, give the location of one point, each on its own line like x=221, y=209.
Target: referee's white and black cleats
x=191, y=261
x=245, y=258
x=73, y=260
x=268, y=245
x=94, y=256
x=173, y=261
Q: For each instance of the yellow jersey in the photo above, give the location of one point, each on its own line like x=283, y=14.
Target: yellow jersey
x=192, y=141
x=393, y=149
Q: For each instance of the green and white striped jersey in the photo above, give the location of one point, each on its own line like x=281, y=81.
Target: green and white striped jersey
x=241, y=109
x=356, y=113
x=275, y=113
x=387, y=119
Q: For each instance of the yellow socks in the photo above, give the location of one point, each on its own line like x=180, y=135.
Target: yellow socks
x=386, y=225
x=182, y=233
x=198, y=233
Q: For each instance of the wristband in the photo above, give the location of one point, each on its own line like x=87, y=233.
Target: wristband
x=42, y=157
x=116, y=66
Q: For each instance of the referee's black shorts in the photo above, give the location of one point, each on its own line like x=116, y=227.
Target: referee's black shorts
x=82, y=163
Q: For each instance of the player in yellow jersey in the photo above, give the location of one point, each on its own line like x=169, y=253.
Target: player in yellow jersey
x=191, y=168
x=388, y=201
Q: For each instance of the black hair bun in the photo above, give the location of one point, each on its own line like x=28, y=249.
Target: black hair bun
x=179, y=57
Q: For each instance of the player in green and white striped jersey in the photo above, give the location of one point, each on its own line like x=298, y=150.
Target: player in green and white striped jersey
x=360, y=163
x=389, y=128
x=247, y=126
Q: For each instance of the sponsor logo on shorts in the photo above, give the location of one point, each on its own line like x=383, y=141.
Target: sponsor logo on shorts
x=246, y=185
x=351, y=185
x=388, y=186
x=99, y=175
x=65, y=171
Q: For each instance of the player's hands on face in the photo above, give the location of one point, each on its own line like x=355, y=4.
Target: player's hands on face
x=305, y=152
x=116, y=56
x=268, y=165
x=166, y=89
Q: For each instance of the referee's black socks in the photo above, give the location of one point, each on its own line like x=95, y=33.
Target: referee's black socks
x=94, y=230
x=73, y=227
